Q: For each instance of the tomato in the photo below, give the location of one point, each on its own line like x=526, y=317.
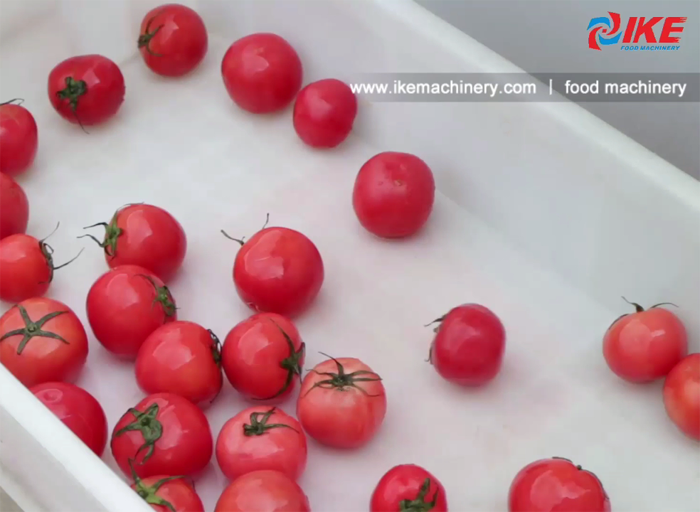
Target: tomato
x=682, y=395
x=263, y=491
x=144, y=235
x=168, y=493
x=278, y=270
x=262, y=73
x=393, y=194
x=408, y=488
x=556, y=485
x=261, y=438
x=324, y=113
x=165, y=434
x=87, y=89
x=645, y=345
x=14, y=207
x=263, y=357
x=18, y=138
x=342, y=408
x=125, y=305
x=469, y=345
x=182, y=358
x=42, y=340
x=173, y=40
x=78, y=410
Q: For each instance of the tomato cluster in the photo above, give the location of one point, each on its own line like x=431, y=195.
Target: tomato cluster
x=164, y=441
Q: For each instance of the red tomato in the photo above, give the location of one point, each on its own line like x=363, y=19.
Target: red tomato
x=262, y=73
x=144, y=235
x=469, y=345
x=14, y=207
x=263, y=491
x=645, y=345
x=18, y=138
x=182, y=358
x=263, y=356
x=556, y=485
x=78, y=410
x=42, y=340
x=393, y=194
x=168, y=493
x=682, y=395
x=261, y=438
x=165, y=434
x=342, y=403
x=125, y=305
x=408, y=488
x=324, y=113
x=173, y=40
x=86, y=90
x=278, y=270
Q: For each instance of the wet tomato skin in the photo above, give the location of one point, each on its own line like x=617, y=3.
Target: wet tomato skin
x=24, y=269
x=259, y=438
x=257, y=358
x=262, y=73
x=43, y=359
x=178, y=493
x=87, y=89
x=682, y=396
x=324, y=113
x=180, y=357
x=405, y=482
x=14, y=207
x=78, y=410
x=173, y=40
x=263, y=491
x=556, y=485
x=469, y=345
x=18, y=139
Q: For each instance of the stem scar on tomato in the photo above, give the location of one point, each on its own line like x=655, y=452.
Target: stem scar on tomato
x=33, y=329
x=144, y=40
x=163, y=296
x=640, y=309
x=151, y=429
x=242, y=239
x=419, y=504
x=292, y=363
x=47, y=252
x=341, y=381
x=148, y=492
x=258, y=427
x=72, y=92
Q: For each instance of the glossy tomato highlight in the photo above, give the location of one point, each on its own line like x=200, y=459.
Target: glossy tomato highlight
x=408, y=488
x=14, y=207
x=263, y=491
x=18, y=138
x=324, y=113
x=682, y=396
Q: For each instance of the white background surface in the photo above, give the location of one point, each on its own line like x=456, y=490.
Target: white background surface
x=542, y=214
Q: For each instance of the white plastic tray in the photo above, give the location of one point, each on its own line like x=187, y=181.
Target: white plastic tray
x=544, y=213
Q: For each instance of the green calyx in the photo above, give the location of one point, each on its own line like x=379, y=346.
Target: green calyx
x=342, y=381
x=163, y=297
x=33, y=329
x=292, y=363
x=145, y=38
x=72, y=92
x=259, y=424
x=640, y=309
x=149, y=492
x=47, y=252
x=418, y=504
x=151, y=429
x=112, y=234
x=215, y=348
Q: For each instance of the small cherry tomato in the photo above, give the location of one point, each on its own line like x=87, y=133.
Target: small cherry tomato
x=469, y=345
x=182, y=358
x=18, y=138
x=125, y=305
x=173, y=40
x=556, y=485
x=262, y=73
x=78, y=410
x=261, y=438
x=14, y=207
x=263, y=357
x=86, y=90
x=408, y=488
x=42, y=340
x=278, y=270
x=167, y=493
x=324, y=112
x=263, y=491
x=342, y=408
x=165, y=434
x=393, y=194
x=645, y=345
x=144, y=235
x=682, y=395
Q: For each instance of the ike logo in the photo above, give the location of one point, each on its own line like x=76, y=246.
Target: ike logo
x=608, y=31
